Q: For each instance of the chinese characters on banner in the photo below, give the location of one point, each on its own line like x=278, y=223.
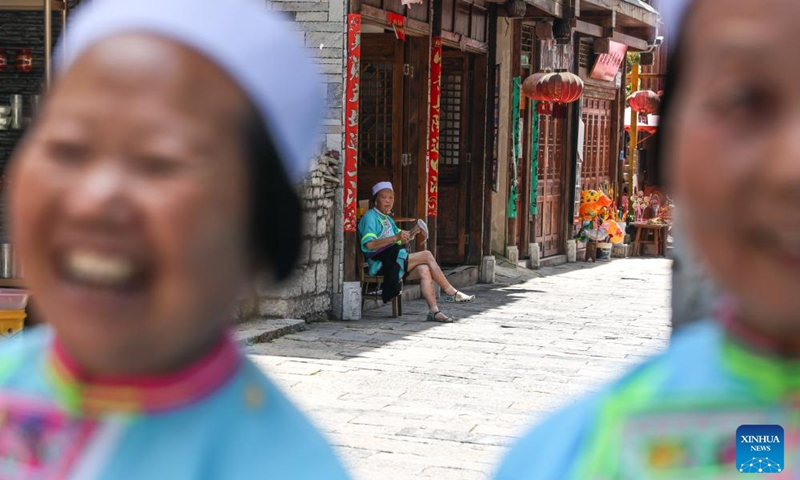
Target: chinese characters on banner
x=398, y=23
x=351, y=121
x=607, y=64
x=433, y=137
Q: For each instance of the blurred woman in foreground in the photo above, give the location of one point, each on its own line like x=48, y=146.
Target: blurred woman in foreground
x=731, y=144
x=144, y=199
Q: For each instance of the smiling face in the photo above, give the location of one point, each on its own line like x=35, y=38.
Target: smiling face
x=735, y=153
x=129, y=205
x=384, y=201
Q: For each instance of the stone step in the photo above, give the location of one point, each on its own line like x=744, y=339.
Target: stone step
x=261, y=331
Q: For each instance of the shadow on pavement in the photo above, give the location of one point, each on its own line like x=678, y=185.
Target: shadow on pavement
x=479, y=321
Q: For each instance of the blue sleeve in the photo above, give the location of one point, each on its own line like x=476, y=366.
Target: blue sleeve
x=369, y=229
x=551, y=450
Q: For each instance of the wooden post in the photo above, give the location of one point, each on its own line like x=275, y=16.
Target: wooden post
x=48, y=40
x=434, y=95
x=350, y=175
x=632, y=160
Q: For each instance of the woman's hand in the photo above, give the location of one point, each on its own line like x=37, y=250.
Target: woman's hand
x=405, y=236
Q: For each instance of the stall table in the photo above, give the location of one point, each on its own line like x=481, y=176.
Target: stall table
x=658, y=234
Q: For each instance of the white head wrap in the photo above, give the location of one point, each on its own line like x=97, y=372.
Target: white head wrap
x=255, y=47
x=381, y=186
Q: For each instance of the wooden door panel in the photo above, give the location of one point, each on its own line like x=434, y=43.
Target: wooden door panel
x=597, y=154
x=454, y=148
x=380, y=113
x=550, y=193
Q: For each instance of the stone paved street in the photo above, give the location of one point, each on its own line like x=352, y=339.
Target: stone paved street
x=406, y=399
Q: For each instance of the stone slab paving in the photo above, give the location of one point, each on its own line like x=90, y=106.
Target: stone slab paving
x=406, y=399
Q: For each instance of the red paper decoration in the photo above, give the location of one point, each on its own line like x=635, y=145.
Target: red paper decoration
x=645, y=102
x=24, y=61
x=558, y=87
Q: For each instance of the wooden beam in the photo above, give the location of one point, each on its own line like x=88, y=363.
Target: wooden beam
x=609, y=23
x=458, y=41
x=377, y=15
x=30, y=5
x=587, y=28
x=553, y=7
x=632, y=42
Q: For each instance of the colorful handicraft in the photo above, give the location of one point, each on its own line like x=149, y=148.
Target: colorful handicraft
x=597, y=215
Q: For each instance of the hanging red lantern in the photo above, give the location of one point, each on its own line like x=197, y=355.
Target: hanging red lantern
x=3, y=60
x=560, y=87
x=645, y=102
x=529, y=86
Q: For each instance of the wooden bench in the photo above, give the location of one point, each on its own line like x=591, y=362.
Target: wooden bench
x=370, y=288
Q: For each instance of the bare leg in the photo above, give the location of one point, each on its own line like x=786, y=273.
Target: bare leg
x=423, y=274
x=425, y=257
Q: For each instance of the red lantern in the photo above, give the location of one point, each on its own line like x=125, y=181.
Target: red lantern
x=24, y=61
x=560, y=87
x=645, y=102
x=3, y=60
x=529, y=86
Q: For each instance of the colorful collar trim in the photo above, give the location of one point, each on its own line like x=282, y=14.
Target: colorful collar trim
x=81, y=393
x=753, y=355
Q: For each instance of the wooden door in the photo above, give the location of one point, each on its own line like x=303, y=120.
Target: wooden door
x=454, y=157
x=380, y=141
x=597, y=154
x=550, y=195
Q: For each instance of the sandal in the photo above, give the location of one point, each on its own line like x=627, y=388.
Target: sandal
x=438, y=317
x=455, y=298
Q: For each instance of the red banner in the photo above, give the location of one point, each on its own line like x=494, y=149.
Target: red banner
x=433, y=132
x=607, y=64
x=352, y=84
x=398, y=23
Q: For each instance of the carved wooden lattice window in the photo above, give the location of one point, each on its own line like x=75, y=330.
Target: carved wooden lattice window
x=375, y=119
x=450, y=123
x=597, y=153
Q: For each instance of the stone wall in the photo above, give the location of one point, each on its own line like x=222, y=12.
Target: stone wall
x=315, y=292
x=308, y=294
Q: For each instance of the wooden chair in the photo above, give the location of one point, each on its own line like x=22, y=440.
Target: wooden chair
x=370, y=286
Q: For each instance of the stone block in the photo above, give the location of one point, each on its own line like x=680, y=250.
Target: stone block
x=334, y=113
x=324, y=225
x=351, y=301
x=512, y=254
x=572, y=251
x=322, y=277
x=336, y=10
x=309, y=224
x=321, y=249
x=299, y=6
x=335, y=92
x=302, y=17
x=309, y=279
x=535, y=256
x=322, y=25
x=334, y=141
x=328, y=40
x=487, y=269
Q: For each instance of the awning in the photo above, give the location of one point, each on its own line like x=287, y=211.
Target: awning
x=650, y=126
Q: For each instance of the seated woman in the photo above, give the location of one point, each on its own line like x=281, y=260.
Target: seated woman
x=382, y=244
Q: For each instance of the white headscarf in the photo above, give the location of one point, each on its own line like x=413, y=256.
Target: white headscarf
x=381, y=186
x=255, y=47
